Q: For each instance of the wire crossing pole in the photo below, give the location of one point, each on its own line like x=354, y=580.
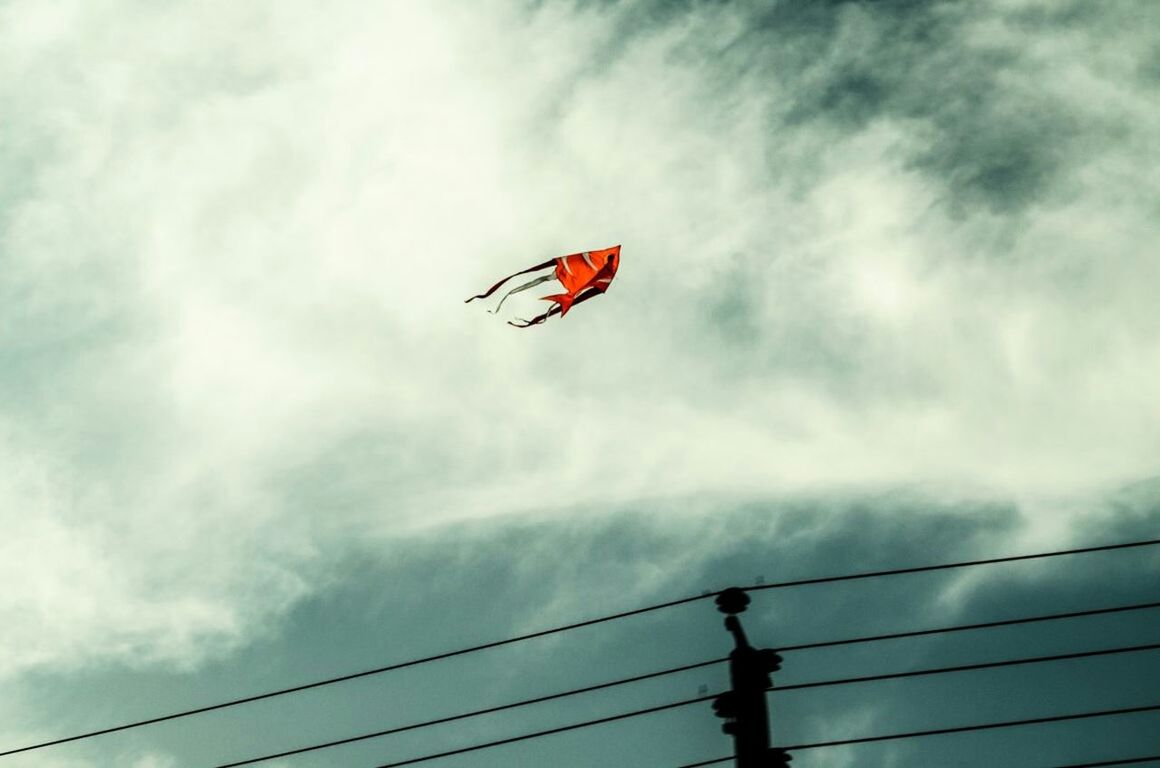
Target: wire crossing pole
x=743, y=707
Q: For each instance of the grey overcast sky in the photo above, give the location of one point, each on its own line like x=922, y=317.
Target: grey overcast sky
x=887, y=297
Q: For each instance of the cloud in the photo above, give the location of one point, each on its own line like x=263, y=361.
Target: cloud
x=864, y=245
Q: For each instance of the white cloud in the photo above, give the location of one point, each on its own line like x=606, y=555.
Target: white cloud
x=232, y=312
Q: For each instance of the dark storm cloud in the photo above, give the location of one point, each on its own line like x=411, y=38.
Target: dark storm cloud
x=989, y=131
x=866, y=61
x=484, y=582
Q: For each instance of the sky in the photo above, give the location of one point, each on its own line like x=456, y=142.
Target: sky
x=886, y=298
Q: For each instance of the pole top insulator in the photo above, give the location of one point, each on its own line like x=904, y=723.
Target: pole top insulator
x=732, y=600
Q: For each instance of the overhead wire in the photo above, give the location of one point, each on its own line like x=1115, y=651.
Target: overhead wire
x=1122, y=761
x=650, y=710
x=966, y=627
x=343, y=678
x=966, y=729
x=977, y=727
x=473, y=713
x=711, y=662
x=490, y=710
x=791, y=748
x=562, y=628
x=947, y=566
x=971, y=667
x=550, y=731
x=1100, y=764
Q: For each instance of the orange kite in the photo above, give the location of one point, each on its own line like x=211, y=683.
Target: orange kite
x=583, y=276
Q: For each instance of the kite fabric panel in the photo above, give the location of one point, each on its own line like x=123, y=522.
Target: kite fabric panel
x=582, y=275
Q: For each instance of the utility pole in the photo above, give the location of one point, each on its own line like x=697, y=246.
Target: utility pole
x=743, y=707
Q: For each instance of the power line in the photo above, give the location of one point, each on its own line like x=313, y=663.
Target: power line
x=559, y=629
x=701, y=664
x=970, y=728
x=970, y=667
x=674, y=705
x=351, y=676
x=946, y=566
x=978, y=727
x=794, y=748
x=1124, y=761
x=1101, y=764
x=474, y=713
x=550, y=731
x=964, y=627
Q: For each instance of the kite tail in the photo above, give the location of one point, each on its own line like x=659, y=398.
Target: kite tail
x=494, y=288
x=565, y=300
x=554, y=310
x=562, y=303
x=524, y=287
